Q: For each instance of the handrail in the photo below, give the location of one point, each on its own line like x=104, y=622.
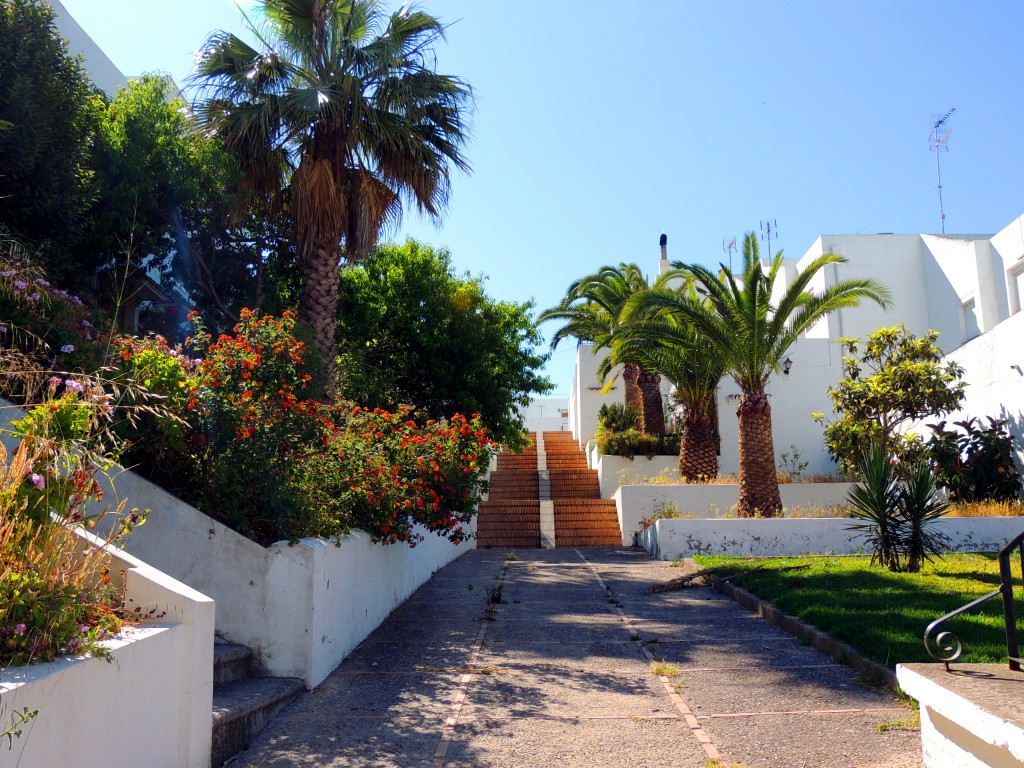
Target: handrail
x=949, y=648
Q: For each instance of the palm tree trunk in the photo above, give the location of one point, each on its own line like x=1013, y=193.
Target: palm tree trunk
x=318, y=306
x=698, y=448
x=759, y=482
x=633, y=396
x=652, y=415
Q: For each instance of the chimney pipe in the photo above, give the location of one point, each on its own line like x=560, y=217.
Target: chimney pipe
x=663, y=242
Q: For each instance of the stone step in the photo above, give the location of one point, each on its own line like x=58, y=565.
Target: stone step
x=231, y=663
x=241, y=709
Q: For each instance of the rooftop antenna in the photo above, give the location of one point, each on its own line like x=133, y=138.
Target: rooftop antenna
x=938, y=142
x=728, y=246
x=768, y=226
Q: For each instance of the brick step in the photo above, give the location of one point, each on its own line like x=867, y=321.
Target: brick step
x=598, y=542
x=513, y=544
x=523, y=504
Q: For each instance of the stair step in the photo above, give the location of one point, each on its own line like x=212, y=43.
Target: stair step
x=231, y=663
x=242, y=709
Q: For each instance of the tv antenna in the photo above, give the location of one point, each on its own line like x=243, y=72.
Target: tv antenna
x=938, y=142
x=728, y=246
x=769, y=226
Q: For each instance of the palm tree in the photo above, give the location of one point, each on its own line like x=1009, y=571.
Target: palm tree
x=676, y=352
x=591, y=310
x=750, y=335
x=339, y=106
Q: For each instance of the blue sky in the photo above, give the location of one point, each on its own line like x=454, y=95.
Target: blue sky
x=600, y=125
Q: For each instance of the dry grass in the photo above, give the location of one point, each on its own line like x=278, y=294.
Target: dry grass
x=986, y=509
x=671, y=477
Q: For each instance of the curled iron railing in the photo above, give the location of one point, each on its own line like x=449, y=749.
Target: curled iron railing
x=946, y=646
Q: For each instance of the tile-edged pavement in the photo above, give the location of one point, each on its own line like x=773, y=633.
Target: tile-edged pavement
x=562, y=675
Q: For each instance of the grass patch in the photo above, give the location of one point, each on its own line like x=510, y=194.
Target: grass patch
x=662, y=669
x=882, y=614
x=912, y=722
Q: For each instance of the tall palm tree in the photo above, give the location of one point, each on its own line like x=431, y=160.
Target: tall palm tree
x=751, y=334
x=339, y=105
x=591, y=310
x=674, y=350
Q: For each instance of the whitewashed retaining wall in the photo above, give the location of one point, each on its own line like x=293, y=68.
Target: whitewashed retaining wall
x=677, y=538
x=301, y=607
x=635, y=502
x=150, y=706
x=614, y=471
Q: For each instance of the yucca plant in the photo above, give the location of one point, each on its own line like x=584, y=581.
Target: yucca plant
x=876, y=508
x=921, y=506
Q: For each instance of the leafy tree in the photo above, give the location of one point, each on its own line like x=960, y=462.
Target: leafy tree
x=416, y=332
x=592, y=311
x=48, y=109
x=340, y=104
x=750, y=334
x=893, y=381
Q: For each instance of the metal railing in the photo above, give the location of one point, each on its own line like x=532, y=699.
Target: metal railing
x=948, y=647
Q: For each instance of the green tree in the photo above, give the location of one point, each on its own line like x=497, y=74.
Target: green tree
x=750, y=334
x=340, y=103
x=894, y=380
x=591, y=310
x=675, y=351
x=48, y=109
x=416, y=332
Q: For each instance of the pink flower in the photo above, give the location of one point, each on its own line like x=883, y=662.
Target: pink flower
x=38, y=481
x=67, y=349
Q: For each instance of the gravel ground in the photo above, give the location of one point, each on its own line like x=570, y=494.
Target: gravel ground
x=562, y=674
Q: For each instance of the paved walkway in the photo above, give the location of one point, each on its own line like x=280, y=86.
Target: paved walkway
x=563, y=676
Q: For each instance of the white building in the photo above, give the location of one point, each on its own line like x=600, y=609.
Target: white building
x=107, y=77
x=970, y=288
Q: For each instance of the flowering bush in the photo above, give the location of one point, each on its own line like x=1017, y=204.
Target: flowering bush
x=56, y=596
x=39, y=318
x=260, y=452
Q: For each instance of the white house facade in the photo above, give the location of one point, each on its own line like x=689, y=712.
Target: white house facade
x=969, y=288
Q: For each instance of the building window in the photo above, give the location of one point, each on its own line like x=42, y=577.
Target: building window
x=969, y=325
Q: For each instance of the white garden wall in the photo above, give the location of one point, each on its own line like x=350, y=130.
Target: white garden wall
x=150, y=706
x=635, y=502
x=677, y=538
x=613, y=471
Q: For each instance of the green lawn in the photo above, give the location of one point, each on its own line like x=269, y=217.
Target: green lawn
x=881, y=614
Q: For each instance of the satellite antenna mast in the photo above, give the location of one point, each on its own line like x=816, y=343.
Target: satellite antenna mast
x=768, y=226
x=728, y=246
x=938, y=142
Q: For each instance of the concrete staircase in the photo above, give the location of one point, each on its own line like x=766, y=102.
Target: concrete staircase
x=243, y=704
x=548, y=498
x=582, y=517
x=510, y=517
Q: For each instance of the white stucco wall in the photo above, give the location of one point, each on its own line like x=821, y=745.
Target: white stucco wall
x=150, y=706
x=635, y=502
x=677, y=538
x=101, y=69
x=613, y=471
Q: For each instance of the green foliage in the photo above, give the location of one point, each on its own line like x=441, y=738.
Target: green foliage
x=411, y=330
x=616, y=417
x=255, y=448
x=896, y=510
x=894, y=380
x=977, y=464
x=48, y=110
x=633, y=442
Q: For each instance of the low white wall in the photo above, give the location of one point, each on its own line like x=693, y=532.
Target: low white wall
x=677, y=538
x=150, y=706
x=635, y=502
x=301, y=607
x=615, y=471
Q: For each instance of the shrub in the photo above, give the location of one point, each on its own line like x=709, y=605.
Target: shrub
x=632, y=443
x=977, y=464
x=256, y=450
x=56, y=596
x=617, y=417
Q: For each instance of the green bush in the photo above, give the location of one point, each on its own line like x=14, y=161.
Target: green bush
x=617, y=417
x=633, y=442
x=977, y=464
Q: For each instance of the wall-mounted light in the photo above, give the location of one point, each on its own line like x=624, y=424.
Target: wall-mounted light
x=787, y=364
x=733, y=399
